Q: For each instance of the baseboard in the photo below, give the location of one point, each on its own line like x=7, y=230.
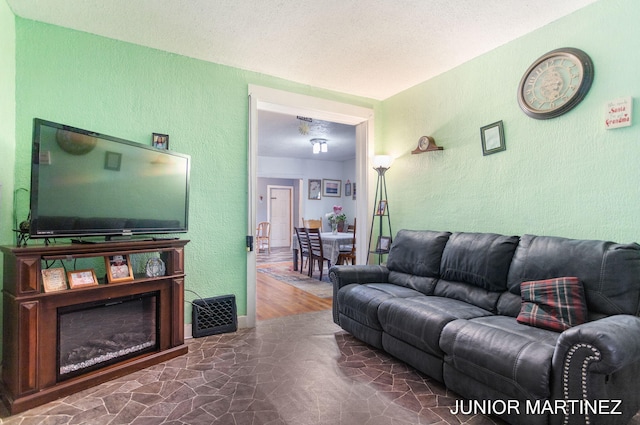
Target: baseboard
x=188, y=332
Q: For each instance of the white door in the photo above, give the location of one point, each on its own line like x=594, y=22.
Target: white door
x=280, y=213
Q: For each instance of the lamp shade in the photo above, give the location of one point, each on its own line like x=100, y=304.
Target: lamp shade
x=382, y=161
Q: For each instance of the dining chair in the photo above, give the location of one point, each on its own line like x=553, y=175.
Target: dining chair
x=303, y=244
x=348, y=254
x=312, y=223
x=263, y=236
x=316, y=251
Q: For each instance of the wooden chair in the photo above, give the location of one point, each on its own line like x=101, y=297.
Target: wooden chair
x=312, y=223
x=263, y=236
x=303, y=244
x=348, y=256
x=316, y=251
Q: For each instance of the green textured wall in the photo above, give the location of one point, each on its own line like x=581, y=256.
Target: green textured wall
x=7, y=124
x=566, y=176
x=130, y=91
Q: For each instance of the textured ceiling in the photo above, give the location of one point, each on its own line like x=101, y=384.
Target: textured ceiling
x=371, y=48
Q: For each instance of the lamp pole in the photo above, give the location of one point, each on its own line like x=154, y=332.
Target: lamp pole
x=380, y=211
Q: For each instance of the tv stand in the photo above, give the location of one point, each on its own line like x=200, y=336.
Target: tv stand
x=30, y=330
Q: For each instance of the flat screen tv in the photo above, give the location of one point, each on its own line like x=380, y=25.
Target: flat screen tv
x=88, y=184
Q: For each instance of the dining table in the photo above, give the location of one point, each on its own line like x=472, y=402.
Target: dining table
x=331, y=244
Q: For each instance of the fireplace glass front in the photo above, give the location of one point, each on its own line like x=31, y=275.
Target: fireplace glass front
x=97, y=334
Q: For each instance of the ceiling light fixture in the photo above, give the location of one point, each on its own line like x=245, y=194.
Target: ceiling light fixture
x=319, y=145
x=303, y=127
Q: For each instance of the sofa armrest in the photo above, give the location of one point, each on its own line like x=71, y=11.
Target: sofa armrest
x=600, y=360
x=346, y=275
x=615, y=339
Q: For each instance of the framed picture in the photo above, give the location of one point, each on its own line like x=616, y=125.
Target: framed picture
x=354, y=191
x=347, y=188
x=315, y=189
x=384, y=243
x=160, y=141
x=118, y=268
x=54, y=279
x=112, y=161
x=492, y=136
x=382, y=207
x=331, y=188
x=82, y=278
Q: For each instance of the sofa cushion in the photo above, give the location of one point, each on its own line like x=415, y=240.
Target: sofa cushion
x=361, y=302
x=419, y=320
x=468, y=293
x=502, y=354
x=481, y=259
x=608, y=271
x=417, y=253
x=554, y=304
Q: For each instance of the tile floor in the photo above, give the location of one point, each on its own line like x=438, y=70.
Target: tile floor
x=294, y=370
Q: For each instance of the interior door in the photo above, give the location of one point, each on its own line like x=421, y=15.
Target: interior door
x=280, y=213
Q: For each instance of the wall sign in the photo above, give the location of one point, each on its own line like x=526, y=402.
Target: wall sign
x=618, y=113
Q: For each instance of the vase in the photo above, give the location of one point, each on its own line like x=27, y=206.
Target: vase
x=334, y=227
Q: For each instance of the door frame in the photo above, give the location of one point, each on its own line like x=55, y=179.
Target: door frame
x=291, y=197
x=268, y=99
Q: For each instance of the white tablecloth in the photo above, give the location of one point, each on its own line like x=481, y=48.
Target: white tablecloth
x=330, y=244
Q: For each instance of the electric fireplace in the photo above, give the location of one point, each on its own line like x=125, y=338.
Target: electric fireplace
x=61, y=342
x=97, y=334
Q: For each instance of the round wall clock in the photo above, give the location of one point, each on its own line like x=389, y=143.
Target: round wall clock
x=555, y=83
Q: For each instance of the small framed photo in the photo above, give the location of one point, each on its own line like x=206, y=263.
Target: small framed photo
x=82, y=278
x=382, y=207
x=54, y=279
x=331, y=188
x=118, y=268
x=492, y=136
x=347, y=188
x=354, y=191
x=112, y=161
x=160, y=141
x=315, y=189
x=384, y=243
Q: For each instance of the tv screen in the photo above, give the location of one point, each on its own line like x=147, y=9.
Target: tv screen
x=89, y=184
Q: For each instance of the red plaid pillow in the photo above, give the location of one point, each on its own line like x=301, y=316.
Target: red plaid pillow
x=555, y=304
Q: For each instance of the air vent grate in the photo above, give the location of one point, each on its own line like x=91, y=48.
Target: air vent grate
x=211, y=316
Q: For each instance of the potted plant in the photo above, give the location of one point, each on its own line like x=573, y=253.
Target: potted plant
x=336, y=219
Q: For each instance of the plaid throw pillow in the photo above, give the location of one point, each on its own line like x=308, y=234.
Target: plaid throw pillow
x=554, y=304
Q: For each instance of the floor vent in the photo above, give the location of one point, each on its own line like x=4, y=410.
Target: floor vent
x=212, y=316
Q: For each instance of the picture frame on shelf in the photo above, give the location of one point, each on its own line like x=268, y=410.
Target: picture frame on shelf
x=160, y=141
x=82, y=278
x=54, y=279
x=118, y=268
x=315, y=189
x=382, y=207
x=383, y=244
x=331, y=188
x=492, y=137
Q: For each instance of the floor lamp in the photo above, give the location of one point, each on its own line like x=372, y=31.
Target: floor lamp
x=381, y=164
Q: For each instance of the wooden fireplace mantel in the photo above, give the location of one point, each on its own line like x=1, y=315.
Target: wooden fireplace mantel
x=29, y=336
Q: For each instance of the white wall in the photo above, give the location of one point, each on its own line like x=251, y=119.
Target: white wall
x=290, y=168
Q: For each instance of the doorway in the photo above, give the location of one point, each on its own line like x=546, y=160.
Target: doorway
x=263, y=98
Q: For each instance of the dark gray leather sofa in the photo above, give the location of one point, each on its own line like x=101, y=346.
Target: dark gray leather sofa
x=446, y=304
